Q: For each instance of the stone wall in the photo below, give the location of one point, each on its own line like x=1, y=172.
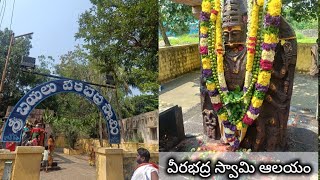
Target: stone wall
x=145, y=125
x=304, y=59
x=177, y=60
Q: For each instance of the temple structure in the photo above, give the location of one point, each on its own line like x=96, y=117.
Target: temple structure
x=259, y=127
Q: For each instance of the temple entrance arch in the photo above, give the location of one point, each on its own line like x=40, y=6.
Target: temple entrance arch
x=12, y=131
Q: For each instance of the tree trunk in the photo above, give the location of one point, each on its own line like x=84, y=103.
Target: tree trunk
x=100, y=130
x=164, y=35
x=118, y=105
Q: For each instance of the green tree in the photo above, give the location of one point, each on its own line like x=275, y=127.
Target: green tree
x=144, y=103
x=16, y=83
x=121, y=39
x=301, y=10
x=174, y=18
x=75, y=108
x=122, y=36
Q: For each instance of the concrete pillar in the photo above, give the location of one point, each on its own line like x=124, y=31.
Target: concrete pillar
x=109, y=164
x=27, y=163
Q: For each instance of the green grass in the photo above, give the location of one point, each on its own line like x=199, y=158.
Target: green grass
x=302, y=39
x=190, y=39
x=183, y=39
x=307, y=40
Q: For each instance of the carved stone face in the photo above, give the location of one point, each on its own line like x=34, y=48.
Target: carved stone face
x=235, y=57
x=233, y=36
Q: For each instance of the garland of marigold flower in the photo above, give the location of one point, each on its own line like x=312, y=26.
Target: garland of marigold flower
x=212, y=51
x=270, y=41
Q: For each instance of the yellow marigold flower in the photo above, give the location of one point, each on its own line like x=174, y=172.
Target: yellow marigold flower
x=268, y=55
x=253, y=30
x=250, y=56
x=252, y=33
x=211, y=86
x=256, y=103
x=213, y=17
x=206, y=5
x=217, y=5
x=220, y=63
x=203, y=30
x=223, y=116
x=264, y=78
x=239, y=125
x=260, y=2
x=206, y=63
x=274, y=7
x=249, y=62
x=271, y=38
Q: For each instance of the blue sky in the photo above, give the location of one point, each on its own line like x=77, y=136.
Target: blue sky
x=54, y=23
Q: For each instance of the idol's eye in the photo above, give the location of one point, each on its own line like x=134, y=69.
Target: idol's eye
x=226, y=34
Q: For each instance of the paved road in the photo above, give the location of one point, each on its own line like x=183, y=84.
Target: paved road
x=72, y=167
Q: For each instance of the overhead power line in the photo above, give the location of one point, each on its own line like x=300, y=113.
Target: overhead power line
x=4, y=5
x=14, y=2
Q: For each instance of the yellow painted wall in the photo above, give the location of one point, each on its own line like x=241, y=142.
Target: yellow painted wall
x=85, y=145
x=60, y=142
x=114, y=163
x=304, y=58
x=26, y=162
x=177, y=60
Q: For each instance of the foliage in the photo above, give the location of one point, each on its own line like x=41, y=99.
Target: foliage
x=308, y=24
x=300, y=10
x=235, y=109
x=74, y=64
x=76, y=109
x=16, y=83
x=302, y=39
x=139, y=104
x=116, y=41
x=175, y=17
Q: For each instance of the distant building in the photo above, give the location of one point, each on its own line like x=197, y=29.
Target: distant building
x=142, y=127
x=35, y=117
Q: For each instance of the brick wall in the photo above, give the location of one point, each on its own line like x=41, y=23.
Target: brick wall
x=177, y=60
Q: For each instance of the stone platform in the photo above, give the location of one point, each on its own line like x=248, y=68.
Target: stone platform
x=302, y=124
